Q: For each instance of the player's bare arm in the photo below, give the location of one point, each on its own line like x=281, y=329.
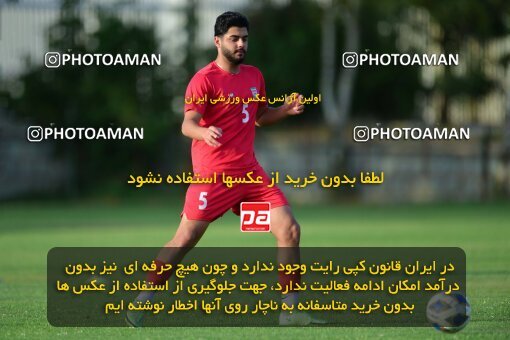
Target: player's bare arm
x=270, y=115
x=190, y=128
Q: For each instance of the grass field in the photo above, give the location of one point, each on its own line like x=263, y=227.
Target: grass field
x=29, y=230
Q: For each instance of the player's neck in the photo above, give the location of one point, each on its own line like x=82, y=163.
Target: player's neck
x=227, y=66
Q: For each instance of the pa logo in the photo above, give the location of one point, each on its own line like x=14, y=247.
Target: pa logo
x=255, y=216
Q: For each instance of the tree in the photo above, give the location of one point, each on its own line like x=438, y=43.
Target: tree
x=338, y=94
x=284, y=41
x=101, y=96
x=461, y=23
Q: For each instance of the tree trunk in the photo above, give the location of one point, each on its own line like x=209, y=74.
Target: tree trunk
x=336, y=102
x=345, y=86
x=328, y=59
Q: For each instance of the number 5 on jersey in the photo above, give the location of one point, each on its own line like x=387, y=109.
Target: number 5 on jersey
x=203, y=200
x=246, y=114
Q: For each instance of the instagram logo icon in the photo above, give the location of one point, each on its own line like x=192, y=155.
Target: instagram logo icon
x=52, y=60
x=350, y=59
x=361, y=133
x=35, y=133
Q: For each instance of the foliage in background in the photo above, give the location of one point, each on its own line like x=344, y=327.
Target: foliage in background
x=383, y=92
x=285, y=43
x=464, y=25
x=102, y=96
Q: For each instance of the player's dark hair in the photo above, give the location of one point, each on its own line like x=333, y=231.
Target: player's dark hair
x=227, y=20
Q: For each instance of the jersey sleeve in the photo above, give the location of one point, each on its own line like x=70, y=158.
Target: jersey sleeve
x=262, y=104
x=197, y=94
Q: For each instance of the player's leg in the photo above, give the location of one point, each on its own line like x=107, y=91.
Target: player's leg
x=287, y=232
x=284, y=227
x=204, y=203
x=185, y=238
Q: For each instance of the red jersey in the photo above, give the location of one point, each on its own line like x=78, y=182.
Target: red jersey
x=237, y=121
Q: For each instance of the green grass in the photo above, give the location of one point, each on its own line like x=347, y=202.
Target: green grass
x=28, y=231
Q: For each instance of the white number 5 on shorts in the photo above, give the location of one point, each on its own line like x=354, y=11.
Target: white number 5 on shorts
x=203, y=200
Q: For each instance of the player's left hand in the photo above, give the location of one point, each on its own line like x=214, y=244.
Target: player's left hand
x=295, y=107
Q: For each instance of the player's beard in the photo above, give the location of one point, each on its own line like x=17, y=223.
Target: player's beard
x=232, y=57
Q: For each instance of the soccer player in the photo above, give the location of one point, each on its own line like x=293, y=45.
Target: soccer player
x=223, y=142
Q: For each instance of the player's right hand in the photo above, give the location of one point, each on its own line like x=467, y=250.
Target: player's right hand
x=211, y=134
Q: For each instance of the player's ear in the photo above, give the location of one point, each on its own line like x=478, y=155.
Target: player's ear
x=217, y=41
